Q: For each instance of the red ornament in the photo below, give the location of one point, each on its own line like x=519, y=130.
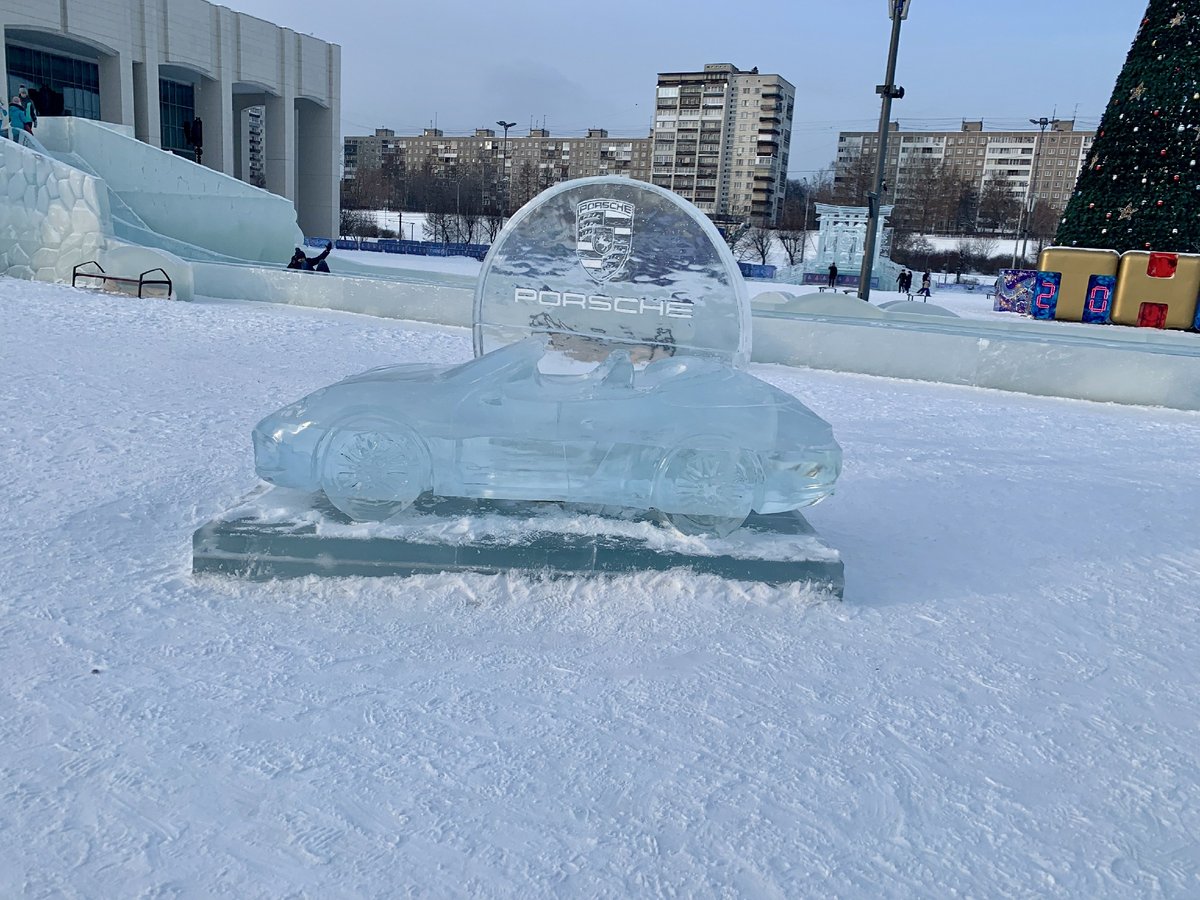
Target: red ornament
x=1176, y=177
x=1162, y=152
x=1160, y=203
x=1091, y=206
x=1155, y=113
x=1108, y=215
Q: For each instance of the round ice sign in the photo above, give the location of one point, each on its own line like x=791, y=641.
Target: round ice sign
x=604, y=263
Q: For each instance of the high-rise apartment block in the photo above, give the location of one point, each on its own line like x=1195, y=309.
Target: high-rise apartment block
x=1036, y=165
x=721, y=139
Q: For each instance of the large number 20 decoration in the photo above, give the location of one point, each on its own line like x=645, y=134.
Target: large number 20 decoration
x=1097, y=308
x=1045, y=295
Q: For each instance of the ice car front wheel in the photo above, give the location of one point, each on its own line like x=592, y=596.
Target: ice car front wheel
x=706, y=491
x=371, y=471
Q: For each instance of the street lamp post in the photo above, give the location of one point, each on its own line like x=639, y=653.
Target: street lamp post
x=1030, y=203
x=504, y=162
x=889, y=91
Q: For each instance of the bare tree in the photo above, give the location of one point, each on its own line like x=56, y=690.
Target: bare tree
x=998, y=204
x=357, y=223
x=368, y=189
x=1043, y=223
x=439, y=227
x=853, y=180
x=491, y=224
x=524, y=186
x=756, y=241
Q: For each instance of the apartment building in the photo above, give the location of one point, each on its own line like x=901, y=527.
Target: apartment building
x=529, y=162
x=722, y=138
x=1037, y=165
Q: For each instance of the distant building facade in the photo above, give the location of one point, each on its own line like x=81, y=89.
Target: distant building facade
x=155, y=66
x=722, y=138
x=521, y=164
x=1035, y=165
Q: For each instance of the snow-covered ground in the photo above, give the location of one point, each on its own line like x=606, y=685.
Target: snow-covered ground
x=1005, y=704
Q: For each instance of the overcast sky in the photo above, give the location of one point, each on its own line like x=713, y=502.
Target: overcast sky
x=573, y=65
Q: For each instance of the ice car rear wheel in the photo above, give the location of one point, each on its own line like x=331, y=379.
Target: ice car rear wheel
x=706, y=491
x=371, y=472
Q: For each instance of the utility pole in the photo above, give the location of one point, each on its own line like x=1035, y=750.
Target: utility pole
x=804, y=241
x=504, y=163
x=1042, y=123
x=889, y=91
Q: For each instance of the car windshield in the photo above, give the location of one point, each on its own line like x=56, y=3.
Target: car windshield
x=514, y=361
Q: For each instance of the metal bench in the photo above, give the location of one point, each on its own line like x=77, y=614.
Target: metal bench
x=105, y=279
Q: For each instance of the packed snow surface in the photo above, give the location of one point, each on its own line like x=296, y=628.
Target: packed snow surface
x=1004, y=705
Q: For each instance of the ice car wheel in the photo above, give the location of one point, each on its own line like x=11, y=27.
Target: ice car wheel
x=706, y=491
x=371, y=472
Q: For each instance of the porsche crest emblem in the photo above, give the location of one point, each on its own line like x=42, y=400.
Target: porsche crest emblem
x=603, y=237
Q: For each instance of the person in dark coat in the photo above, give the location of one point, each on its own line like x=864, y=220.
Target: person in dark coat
x=310, y=263
x=832, y=274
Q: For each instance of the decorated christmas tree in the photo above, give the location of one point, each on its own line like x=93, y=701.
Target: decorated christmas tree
x=1140, y=187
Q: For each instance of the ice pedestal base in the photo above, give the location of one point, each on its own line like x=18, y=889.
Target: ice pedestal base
x=277, y=533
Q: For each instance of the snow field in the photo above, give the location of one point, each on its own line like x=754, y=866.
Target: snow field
x=1004, y=705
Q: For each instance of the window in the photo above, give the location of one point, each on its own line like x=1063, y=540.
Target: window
x=177, y=105
x=60, y=85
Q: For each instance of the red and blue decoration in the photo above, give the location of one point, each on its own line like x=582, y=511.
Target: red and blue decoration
x=1045, y=294
x=1097, y=307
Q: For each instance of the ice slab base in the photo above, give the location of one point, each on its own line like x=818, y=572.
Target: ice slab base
x=282, y=533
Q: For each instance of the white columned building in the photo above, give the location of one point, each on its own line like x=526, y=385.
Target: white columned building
x=158, y=65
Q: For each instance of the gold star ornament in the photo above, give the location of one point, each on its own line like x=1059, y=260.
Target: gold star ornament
x=1178, y=20
x=1127, y=212
x=1137, y=92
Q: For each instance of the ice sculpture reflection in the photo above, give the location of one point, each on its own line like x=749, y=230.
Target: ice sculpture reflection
x=692, y=437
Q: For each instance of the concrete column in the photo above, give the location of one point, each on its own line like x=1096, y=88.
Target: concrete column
x=3, y=66
x=316, y=150
x=280, y=139
x=214, y=105
x=116, y=89
x=147, y=116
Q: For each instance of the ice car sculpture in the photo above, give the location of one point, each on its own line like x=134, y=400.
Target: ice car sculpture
x=693, y=438
x=610, y=325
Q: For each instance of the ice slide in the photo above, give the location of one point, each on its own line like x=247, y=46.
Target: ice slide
x=83, y=190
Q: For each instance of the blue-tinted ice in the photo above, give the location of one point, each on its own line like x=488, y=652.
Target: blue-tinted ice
x=700, y=441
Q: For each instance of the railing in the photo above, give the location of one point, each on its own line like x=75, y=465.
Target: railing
x=411, y=248
x=141, y=281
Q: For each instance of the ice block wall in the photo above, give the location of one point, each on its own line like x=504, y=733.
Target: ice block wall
x=52, y=216
x=177, y=198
